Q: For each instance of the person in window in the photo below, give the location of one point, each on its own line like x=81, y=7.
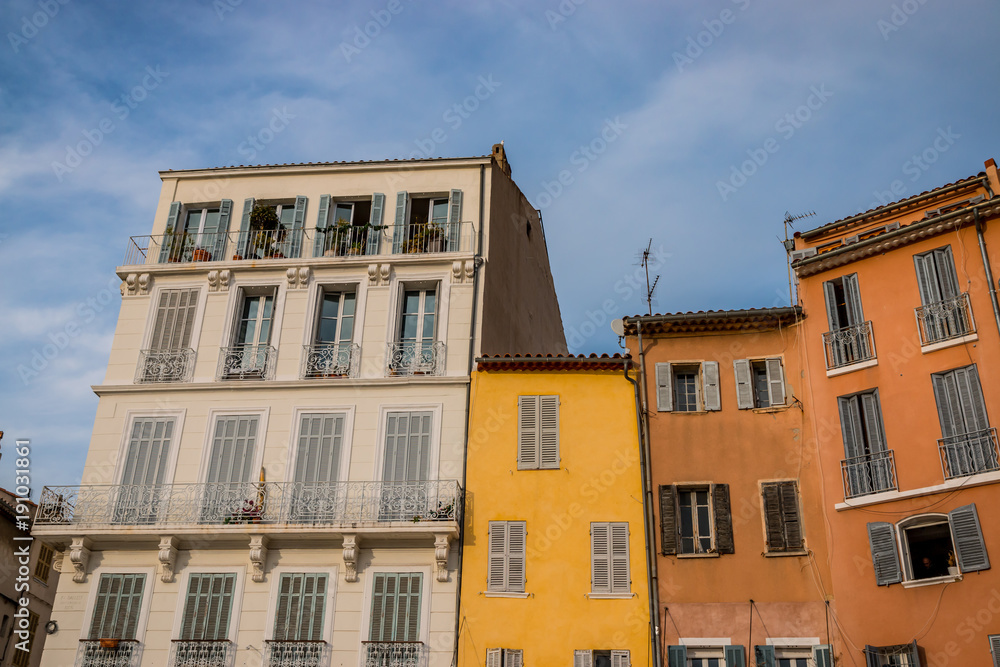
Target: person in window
x=929, y=567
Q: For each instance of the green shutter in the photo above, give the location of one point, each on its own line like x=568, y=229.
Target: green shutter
x=377, y=214
x=298, y=225
x=735, y=656
x=399, y=228
x=744, y=384
x=454, y=221
x=117, y=606
x=171, y=231
x=764, y=656
x=321, y=224
x=208, y=607
x=300, y=609
x=676, y=656
x=244, y=237
x=396, y=607
x=823, y=655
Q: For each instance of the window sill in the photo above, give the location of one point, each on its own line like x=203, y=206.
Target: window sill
x=773, y=408
x=610, y=596
x=505, y=594
x=782, y=554
x=947, y=579
x=711, y=555
x=687, y=412
x=842, y=370
x=951, y=342
x=889, y=496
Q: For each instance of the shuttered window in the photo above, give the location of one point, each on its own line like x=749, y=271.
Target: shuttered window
x=695, y=520
x=174, y=319
x=900, y=655
x=507, y=556
x=208, y=607
x=967, y=443
x=735, y=655
x=605, y=658
x=885, y=558
x=781, y=516
x=396, y=607
x=537, y=432
x=760, y=383
x=609, y=558
x=321, y=438
x=43, y=566
x=688, y=387
x=117, y=606
x=936, y=278
x=504, y=657
x=843, y=302
x=300, y=611
x=23, y=658
x=823, y=655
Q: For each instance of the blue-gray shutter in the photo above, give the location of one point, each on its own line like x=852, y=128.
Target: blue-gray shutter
x=222, y=231
x=664, y=391
x=852, y=295
x=823, y=655
x=117, y=606
x=241, y=243
x=677, y=656
x=885, y=558
x=735, y=656
x=300, y=608
x=710, y=385
x=399, y=228
x=744, y=384
x=170, y=230
x=454, y=221
x=945, y=264
x=321, y=224
x=995, y=649
x=871, y=408
x=871, y=656
x=850, y=426
x=375, y=235
x=969, y=543
x=927, y=284
x=830, y=296
x=298, y=225
x=775, y=381
x=764, y=656
x=914, y=654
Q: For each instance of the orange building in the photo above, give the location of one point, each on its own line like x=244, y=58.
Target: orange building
x=741, y=571
x=901, y=330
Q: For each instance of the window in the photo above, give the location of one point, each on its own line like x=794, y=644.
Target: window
x=169, y=357
x=349, y=227
x=427, y=223
x=417, y=352
x=609, y=561
x=783, y=527
x=945, y=309
x=849, y=340
x=301, y=605
x=868, y=466
x=934, y=546
x=760, y=383
x=507, y=557
x=719, y=656
x=230, y=492
x=537, y=432
x=117, y=606
x=504, y=657
x=250, y=354
x=208, y=607
x=316, y=498
x=23, y=658
x=143, y=470
x=332, y=354
x=843, y=302
x=774, y=656
x=279, y=238
x=395, y=607
x=606, y=658
x=695, y=520
x=900, y=655
x=968, y=445
x=43, y=566
x=687, y=387
x=196, y=234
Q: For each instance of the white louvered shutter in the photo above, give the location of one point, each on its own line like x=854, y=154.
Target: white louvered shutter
x=620, y=659
x=513, y=657
x=583, y=659
x=775, y=381
x=710, y=385
x=664, y=390
x=494, y=657
x=620, y=576
x=600, y=558
x=744, y=384
x=496, y=579
x=516, y=533
x=548, y=436
x=527, y=432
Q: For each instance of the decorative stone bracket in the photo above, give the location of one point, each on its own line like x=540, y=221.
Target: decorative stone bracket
x=258, y=556
x=463, y=272
x=379, y=274
x=167, y=557
x=442, y=548
x=298, y=277
x=218, y=281
x=79, y=556
x=136, y=283
x=352, y=543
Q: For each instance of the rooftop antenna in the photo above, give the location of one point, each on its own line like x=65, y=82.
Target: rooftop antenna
x=645, y=265
x=789, y=244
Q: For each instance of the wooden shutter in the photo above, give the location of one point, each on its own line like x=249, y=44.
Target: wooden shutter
x=496, y=575
x=735, y=656
x=620, y=659
x=513, y=657
x=321, y=225
x=301, y=602
x=208, y=606
x=664, y=391
x=548, y=432
x=872, y=411
x=830, y=295
x=927, y=284
x=600, y=558
x=790, y=515
x=970, y=395
x=412, y=622
x=381, y=599
x=320, y=441
x=233, y=445
x=117, y=606
x=885, y=558
x=775, y=381
x=583, y=659
x=516, y=554
x=621, y=581
x=677, y=656
x=527, y=432
x=710, y=385
x=723, y=519
x=850, y=426
x=174, y=319
x=852, y=294
x=494, y=657
x=970, y=547
x=396, y=607
x=823, y=655
x=764, y=656
x=244, y=237
x=871, y=656
x=995, y=649
x=399, y=230
x=744, y=384
x=948, y=280
x=298, y=224
x=375, y=235
x=454, y=221
x=948, y=405
x=773, y=517
x=668, y=519
x=173, y=218
x=222, y=231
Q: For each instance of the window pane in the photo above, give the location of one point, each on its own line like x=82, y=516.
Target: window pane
x=342, y=214
x=287, y=216
x=193, y=221
x=440, y=211
x=211, y=220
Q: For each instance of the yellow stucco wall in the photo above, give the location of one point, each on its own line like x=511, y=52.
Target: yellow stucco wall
x=598, y=480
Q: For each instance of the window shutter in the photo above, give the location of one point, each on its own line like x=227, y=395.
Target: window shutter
x=600, y=558
x=723, y=519
x=969, y=543
x=970, y=394
x=242, y=242
x=583, y=659
x=620, y=579
x=790, y=515
x=995, y=649
x=668, y=519
x=516, y=534
x=493, y=657
x=378, y=606
x=927, y=284
x=548, y=440
x=735, y=656
x=298, y=224
x=773, y=517
x=823, y=655
x=664, y=392
x=101, y=604
x=301, y=602
x=513, y=657
x=117, y=606
x=321, y=224
x=775, y=381
x=871, y=656
x=398, y=230
x=914, y=654
x=677, y=656
x=852, y=293
x=375, y=235
x=764, y=656
x=174, y=320
x=173, y=217
x=885, y=558
x=527, y=432
x=948, y=405
x=710, y=385
x=945, y=262
x=206, y=611
x=850, y=426
x=620, y=659
x=830, y=295
x=497, y=570
x=872, y=411
x=412, y=608
x=222, y=231
x=281, y=624
x=454, y=221
x=744, y=386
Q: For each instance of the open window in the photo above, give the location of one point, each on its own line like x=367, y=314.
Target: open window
x=349, y=226
x=416, y=350
x=332, y=352
x=760, y=383
x=687, y=386
x=271, y=229
x=427, y=222
x=196, y=232
x=601, y=658
x=695, y=520
x=250, y=355
x=849, y=340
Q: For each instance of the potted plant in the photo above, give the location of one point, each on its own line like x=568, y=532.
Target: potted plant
x=434, y=235
x=201, y=255
x=337, y=238
x=265, y=231
x=175, y=243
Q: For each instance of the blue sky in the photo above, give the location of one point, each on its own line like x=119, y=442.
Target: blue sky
x=696, y=124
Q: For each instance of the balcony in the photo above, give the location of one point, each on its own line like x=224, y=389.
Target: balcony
x=164, y=366
x=247, y=362
x=945, y=320
x=108, y=653
x=394, y=654
x=415, y=358
x=849, y=346
x=296, y=653
x=868, y=474
x=201, y=653
x=969, y=454
x=326, y=360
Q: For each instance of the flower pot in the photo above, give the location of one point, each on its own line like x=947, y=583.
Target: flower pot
x=109, y=643
x=237, y=258
x=201, y=255
x=953, y=570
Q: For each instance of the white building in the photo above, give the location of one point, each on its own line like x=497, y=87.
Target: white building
x=276, y=466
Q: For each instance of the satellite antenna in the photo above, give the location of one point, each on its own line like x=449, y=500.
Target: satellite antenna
x=645, y=265
x=789, y=244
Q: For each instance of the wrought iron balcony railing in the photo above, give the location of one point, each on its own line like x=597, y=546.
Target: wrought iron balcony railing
x=944, y=320
x=324, y=360
x=969, y=453
x=108, y=653
x=165, y=366
x=347, y=241
x=247, y=362
x=394, y=654
x=850, y=345
x=201, y=653
x=430, y=237
x=415, y=358
x=290, y=503
x=296, y=653
x=868, y=474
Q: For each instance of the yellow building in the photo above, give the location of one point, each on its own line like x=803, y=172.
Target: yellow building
x=554, y=564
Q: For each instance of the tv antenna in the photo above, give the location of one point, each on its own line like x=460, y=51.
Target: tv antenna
x=789, y=244
x=645, y=265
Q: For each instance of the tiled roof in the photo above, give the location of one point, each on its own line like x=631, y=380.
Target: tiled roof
x=327, y=164
x=560, y=362
x=714, y=320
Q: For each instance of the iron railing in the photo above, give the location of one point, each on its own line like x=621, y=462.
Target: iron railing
x=347, y=241
x=430, y=237
x=296, y=653
x=868, y=474
x=394, y=654
x=944, y=320
x=215, y=504
x=850, y=345
x=243, y=362
x=969, y=453
x=201, y=653
x=415, y=358
x=324, y=360
x=108, y=653
x=165, y=366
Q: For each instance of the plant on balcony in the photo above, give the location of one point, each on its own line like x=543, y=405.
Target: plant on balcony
x=337, y=238
x=266, y=233
x=434, y=235
x=175, y=243
x=251, y=512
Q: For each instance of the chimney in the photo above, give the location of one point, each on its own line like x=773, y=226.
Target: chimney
x=501, y=158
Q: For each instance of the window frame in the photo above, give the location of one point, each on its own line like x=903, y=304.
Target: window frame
x=343, y=468
x=274, y=591
x=906, y=559
x=369, y=594
x=147, y=595
x=524, y=462
x=235, y=306
x=196, y=323
x=708, y=397
x=433, y=462
x=212, y=419
x=720, y=516
x=508, y=589
x=126, y=437
x=612, y=592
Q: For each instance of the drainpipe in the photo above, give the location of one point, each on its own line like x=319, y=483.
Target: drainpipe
x=986, y=265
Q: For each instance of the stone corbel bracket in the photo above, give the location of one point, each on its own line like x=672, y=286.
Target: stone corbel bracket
x=442, y=548
x=136, y=283
x=298, y=278
x=258, y=556
x=352, y=543
x=218, y=281
x=167, y=556
x=79, y=556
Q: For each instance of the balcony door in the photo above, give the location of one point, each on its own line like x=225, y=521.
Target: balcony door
x=330, y=354
x=867, y=467
x=417, y=321
x=393, y=637
x=939, y=290
x=407, y=463
x=967, y=443
x=231, y=493
x=317, y=497
x=139, y=495
x=250, y=350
